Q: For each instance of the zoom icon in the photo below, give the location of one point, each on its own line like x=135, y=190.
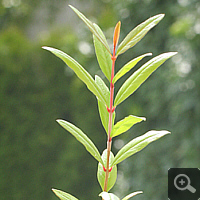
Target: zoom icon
x=184, y=183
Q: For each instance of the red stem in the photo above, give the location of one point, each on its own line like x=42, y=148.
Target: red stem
x=110, y=110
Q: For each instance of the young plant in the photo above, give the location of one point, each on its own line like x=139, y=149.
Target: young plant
x=107, y=103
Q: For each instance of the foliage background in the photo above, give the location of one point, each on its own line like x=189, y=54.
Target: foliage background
x=36, y=88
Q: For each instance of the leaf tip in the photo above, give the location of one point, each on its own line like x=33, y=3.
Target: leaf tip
x=174, y=53
x=59, y=121
x=116, y=34
x=149, y=54
x=47, y=48
x=55, y=191
x=72, y=7
x=144, y=118
x=165, y=132
x=44, y=47
x=161, y=16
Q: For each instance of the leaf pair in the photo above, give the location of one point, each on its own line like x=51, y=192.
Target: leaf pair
x=101, y=173
x=127, y=67
x=138, y=33
x=139, y=76
x=130, y=40
x=128, y=150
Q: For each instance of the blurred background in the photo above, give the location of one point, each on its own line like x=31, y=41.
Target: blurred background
x=36, y=88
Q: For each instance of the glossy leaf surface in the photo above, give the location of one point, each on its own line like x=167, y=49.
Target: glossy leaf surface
x=137, y=144
x=104, y=115
x=125, y=124
x=80, y=72
x=103, y=88
x=103, y=56
x=92, y=28
x=63, y=195
x=82, y=138
x=138, y=33
x=132, y=195
x=108, y=196
x=139, y=76
x=127, y=67
x=101, y=173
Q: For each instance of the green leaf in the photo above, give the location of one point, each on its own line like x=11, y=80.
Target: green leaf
x=104, y=89
x=139, y=76
x=125, y=124
x=127, y=67
x=132, y=195
x=82, y=138
x=137, y=144
x=63, y=195
x=80, y=72
x=103, y=56
x=101, y=173
x=104, y=115
x=108, y=196
x=92, y=28
x=138, y=33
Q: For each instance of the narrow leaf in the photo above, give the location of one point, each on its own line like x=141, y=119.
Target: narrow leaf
x=138, y=33
x=101, y=173
x=104, y=115
x=125, y=124
x=80, y=72
x=63, y=195
x=137, y=144
x=92, y=28
x=103, y=88
x=108, y=196
x=132, y=195
x=103, y=56
x=127, y=67
x=82, y=138
x=139, y=76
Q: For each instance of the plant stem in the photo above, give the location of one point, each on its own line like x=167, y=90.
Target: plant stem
x=111, y=110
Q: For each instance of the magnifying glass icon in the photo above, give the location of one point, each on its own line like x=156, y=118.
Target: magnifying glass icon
x=182, y=182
